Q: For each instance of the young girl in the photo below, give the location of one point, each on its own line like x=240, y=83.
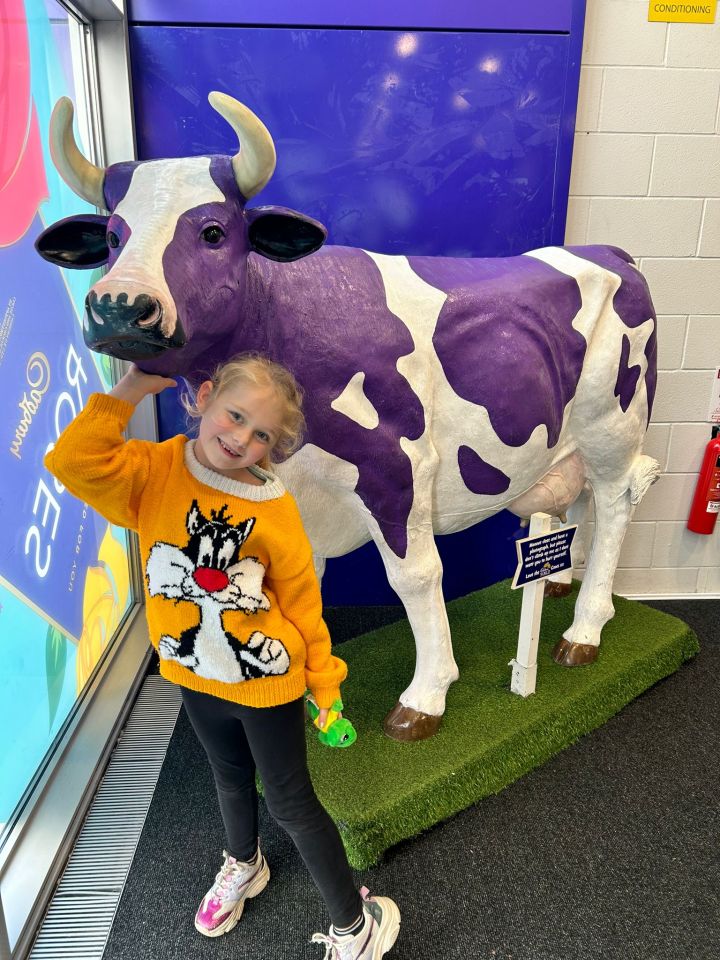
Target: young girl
x=234, y=610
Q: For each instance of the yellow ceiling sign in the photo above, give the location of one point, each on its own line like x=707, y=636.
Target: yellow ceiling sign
x=683, y=11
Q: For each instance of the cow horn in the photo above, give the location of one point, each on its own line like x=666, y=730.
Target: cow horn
x=254, y=163
x=83, y=177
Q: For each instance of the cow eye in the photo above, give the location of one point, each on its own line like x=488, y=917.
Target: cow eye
x=213, y=234
x=113, y=239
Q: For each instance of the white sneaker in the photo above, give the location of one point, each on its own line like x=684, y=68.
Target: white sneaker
x=223, y=904
x=377, y=936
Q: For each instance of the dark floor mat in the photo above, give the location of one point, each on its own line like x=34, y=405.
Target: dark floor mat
x=610, y=850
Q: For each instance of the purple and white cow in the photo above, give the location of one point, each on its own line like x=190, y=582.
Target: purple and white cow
x=438, y=390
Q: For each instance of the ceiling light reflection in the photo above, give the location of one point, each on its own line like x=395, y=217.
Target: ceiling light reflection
x=489, y=65
x=406, y=44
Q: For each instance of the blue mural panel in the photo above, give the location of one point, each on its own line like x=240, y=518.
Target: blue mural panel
x=409, y=143
x=49, y=375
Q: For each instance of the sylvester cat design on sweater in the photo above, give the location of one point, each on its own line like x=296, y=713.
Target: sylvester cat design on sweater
x=208, y=572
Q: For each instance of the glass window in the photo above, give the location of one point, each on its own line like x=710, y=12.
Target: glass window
x=65, y=583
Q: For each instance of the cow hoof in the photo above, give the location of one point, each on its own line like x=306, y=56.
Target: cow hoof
x=404, y=723
x=574, y=654
x=555, y=589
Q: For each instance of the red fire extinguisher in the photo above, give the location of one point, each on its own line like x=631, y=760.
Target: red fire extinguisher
x=706, y=502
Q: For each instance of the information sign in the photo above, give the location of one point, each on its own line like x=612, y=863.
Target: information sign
x=540, y=557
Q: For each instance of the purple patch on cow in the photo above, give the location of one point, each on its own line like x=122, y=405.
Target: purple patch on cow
x=627, y=377
x=505, y=339
x=479, y=476
x=117, y=182
x=321, y=314
x=633, y=305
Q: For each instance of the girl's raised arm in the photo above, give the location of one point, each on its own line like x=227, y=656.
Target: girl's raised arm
x=93, y=459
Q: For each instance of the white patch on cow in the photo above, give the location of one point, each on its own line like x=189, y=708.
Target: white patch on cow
x=417, y=577
x=354, y=405
x=324, y=487
x=596, y=415
x=159, y=193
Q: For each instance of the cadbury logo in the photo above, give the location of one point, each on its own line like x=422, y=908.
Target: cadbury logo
x=38, y=380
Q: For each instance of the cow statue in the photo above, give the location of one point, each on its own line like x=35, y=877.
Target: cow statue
x=438, y=390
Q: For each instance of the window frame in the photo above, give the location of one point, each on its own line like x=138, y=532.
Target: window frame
x=42, y=830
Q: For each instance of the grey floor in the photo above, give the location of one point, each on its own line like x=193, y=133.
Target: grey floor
x=611, y=850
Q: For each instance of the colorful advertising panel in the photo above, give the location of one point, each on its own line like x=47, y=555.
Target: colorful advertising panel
x=64, y=571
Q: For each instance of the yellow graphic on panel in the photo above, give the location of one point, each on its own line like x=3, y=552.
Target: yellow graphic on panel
x=105, y=599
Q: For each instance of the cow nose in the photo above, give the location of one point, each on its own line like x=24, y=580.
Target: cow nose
x=130, y=325
x=144, y=311
x=210, y=579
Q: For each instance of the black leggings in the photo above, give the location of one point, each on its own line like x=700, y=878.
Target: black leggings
x=240, y=739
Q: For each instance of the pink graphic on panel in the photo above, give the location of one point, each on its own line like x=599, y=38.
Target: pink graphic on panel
x=22, y=174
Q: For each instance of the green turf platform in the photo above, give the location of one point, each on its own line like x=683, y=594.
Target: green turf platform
x=380, y=791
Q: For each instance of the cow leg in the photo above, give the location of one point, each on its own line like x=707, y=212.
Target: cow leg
x=560, y=584
x=614, y=504
x=418, y=712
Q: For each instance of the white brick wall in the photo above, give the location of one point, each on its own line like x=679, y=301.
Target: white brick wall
x=646, y=177
x=686, y=166
x=710, y=236
x=649, y=226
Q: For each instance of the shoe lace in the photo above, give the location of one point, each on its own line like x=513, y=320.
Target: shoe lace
x=336, y=948
x=225, y=877
x=333, y=947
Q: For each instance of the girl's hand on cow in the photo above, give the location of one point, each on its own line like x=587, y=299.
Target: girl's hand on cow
x=136, y=385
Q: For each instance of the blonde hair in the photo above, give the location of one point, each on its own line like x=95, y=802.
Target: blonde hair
x=258, y=371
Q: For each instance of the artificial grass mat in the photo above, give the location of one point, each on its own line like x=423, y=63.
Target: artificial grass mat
x=380, y=791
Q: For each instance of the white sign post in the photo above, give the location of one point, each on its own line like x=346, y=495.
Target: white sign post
x=540, y=555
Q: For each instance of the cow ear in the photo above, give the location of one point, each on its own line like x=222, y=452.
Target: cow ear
x=282, y=234
x=78, y=242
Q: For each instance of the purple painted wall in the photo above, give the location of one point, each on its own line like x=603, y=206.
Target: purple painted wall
x=401, y=141
x=545, y=16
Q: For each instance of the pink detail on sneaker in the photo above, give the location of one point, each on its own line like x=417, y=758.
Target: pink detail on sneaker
x=222, y=906
x=207, y=914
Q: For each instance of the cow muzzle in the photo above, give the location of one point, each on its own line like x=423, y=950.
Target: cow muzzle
x=129, y=331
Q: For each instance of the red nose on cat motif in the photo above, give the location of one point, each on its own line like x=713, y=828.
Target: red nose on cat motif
x=211, y=580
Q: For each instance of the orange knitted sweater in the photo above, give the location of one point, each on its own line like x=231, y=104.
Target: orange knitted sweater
x=233, y=604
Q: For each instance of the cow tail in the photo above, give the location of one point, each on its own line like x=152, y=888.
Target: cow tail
x=644, y=472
